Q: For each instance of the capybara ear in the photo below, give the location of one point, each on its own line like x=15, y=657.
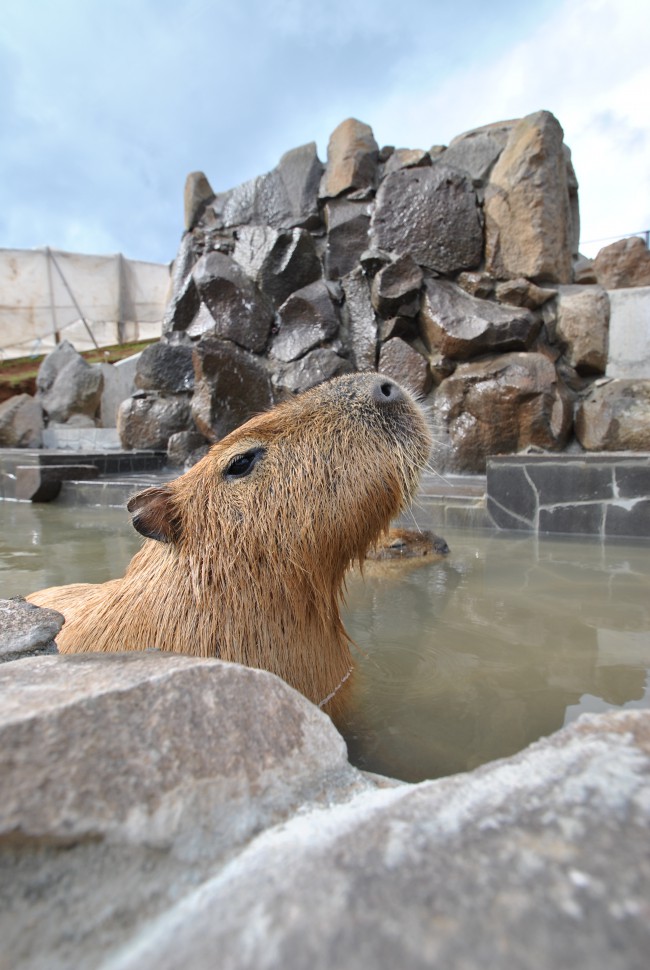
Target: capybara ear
x=154, y=515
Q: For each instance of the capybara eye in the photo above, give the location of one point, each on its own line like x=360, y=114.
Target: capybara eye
x=242, y=465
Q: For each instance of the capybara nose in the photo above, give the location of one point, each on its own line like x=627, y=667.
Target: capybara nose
x=384, y=391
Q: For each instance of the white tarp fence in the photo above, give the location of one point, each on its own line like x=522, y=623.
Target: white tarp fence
x=47, y=296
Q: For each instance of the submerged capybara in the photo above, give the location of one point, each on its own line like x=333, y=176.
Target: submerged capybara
x=246, y=552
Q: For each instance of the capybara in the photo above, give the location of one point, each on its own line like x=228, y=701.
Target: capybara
x=399, y=545
x=246, y=553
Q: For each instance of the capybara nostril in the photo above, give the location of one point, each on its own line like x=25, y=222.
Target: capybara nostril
x=385, y=391
x=246, y=554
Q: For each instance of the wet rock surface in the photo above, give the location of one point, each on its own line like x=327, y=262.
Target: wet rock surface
x=231, y=386
x=125, y=843
x=148, y=419
x=26, y=630
x=307, y=318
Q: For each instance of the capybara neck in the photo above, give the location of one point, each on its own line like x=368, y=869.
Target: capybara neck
x=246, y=554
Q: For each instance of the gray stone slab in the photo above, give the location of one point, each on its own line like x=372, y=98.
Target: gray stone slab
x=630, y=520
x=586, y=519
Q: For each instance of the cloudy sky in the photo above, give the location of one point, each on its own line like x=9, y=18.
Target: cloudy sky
x=106, y=105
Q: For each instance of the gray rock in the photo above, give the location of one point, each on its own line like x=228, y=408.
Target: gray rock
x=520, y=864
x=314, y=368
x=476, y=283
x=241, y=313
x=21, y=422
x=528, y=210
x=396, y=288
x=352, y=155
x=306, y=319
x=166, y=366
x=582, y=327
x=459, y=326
x=523, y=293
x=406, y=158
x=182, y=445
x=182, y=308
x=432, y=214
x=497, y=406
x=360, y=320
x=399, y=360
x=348, y=224
x=476, y=151
x=148, y=419
x=26, y=630
x=231, y=386
x=615, y=416
x=66, y=384
x=583, y=271
x=284, y=198
x=279, y=262
x=622, y=264
x=406, y=327
x=198, y=194
x=42, y=483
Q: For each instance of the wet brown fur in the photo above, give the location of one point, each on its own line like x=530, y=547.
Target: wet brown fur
x=252, y=569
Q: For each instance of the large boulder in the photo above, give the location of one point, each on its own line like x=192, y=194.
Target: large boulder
x=305, y=320
x=231, y=386
x=166, y=366
x=66, y=384
x=360, y=320
x=352, y=154
x=278, y=262
x=21, y=422
x=347, y=235
x=456, y=325
x=499, y=405
x=615, y=416
x=622, y=264
x=284, y=198
x=148, y=419
x=399, y=360
x=581, y=327
x=529, y=221
x=476, y=151
x=432, y=214
x=240, y=312
x=315, y=367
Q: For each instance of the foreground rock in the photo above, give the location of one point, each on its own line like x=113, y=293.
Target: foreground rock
x=21, y=422
x=67, y=385
x=26, y=630
x=158, y=811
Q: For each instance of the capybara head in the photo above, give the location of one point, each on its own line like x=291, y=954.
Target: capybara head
x=248, y=550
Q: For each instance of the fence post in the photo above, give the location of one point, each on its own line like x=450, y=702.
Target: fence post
x=55, y=329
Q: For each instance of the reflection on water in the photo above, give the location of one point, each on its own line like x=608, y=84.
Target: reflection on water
x=459, y=661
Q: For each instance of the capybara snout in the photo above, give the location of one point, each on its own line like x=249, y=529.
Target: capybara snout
x=247, y=552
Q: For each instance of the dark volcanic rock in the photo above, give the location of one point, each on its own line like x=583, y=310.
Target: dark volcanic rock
x=407, y=158
x=317, y=366
x=347, y=235
x=279, y=262
x=148, y=419
x=284, y=198
x=231, y=386
x=182, y=445
x=399, y=360
x=198, y=193
x=615, y=416
x=396, y=288
x=476, y=151
x=432, y=214
x=241, y=313
x=182, y=308
x=166, y=367
x=459, y=326
x=306, y=319
x=360, y=320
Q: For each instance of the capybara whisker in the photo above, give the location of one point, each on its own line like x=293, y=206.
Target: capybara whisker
x=245, y=555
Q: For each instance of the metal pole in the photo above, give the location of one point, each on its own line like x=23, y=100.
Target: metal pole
x=55, y=329
x=72, y=297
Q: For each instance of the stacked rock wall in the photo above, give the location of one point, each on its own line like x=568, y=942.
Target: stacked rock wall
x=451, y=270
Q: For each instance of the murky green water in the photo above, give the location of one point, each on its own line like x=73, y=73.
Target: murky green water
x=460, y=661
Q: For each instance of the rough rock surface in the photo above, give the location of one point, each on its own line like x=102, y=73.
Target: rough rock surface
x=66, y=384
x=476, y=151
x=21, y=422
x=314, y=368
x=231, y=386
x=240, y=312
x=459, y=326
x=521, y=292
x=26, y=630
x=198, y=193
x=396, y=288
x=351, y=159
x=623, y=263
x=399, y=360
x=499, y=405
x=431, y=214
x=582, y=326
x=348, y=224
x=148, y=419
x=615, y=416
x=166, y=366
x=127, y=844
x=307, y=318
x=278, y=262
x=528, y=219
x=360, y=320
